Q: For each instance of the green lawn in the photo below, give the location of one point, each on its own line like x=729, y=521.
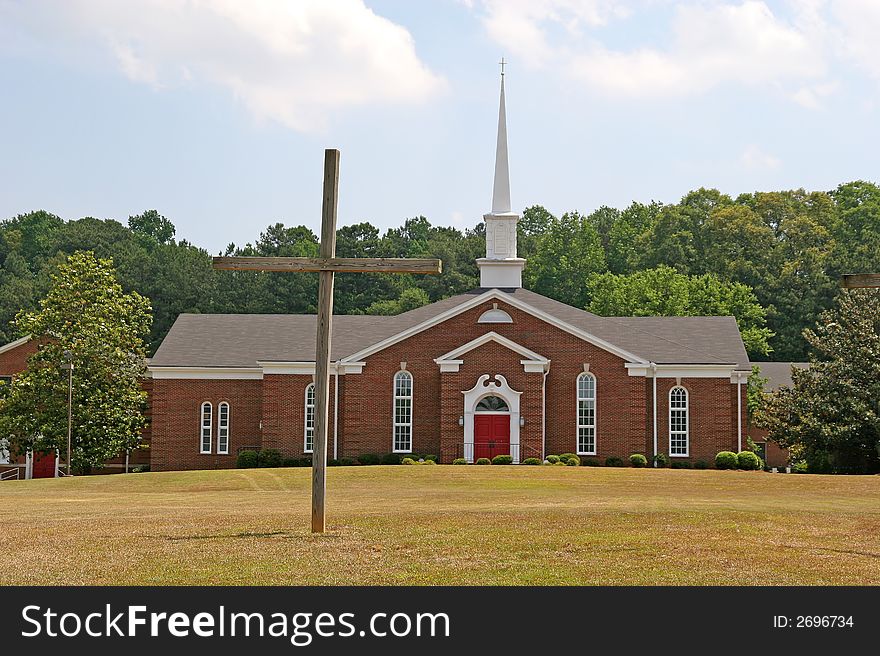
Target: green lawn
x=444, y=525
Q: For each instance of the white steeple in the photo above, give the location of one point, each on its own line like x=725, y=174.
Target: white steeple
x=501, y=190
x=501, y=267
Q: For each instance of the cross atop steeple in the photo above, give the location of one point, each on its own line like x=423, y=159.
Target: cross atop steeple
x=502, y=62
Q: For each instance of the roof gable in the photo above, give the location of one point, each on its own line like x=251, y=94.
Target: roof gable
x=491, y=337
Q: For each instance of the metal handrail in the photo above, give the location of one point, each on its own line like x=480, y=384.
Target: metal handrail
x=11, y=475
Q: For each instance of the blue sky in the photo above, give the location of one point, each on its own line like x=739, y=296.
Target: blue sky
x=217, y=112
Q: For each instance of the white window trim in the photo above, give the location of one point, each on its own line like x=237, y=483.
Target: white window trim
x=210, y=426
x=687, y=422
x=306, y=407
x=220, y=427
x=577, y=417
x=394, y=423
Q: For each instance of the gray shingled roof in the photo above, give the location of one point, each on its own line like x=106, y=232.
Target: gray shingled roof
x=240, y=340
x=778, y=374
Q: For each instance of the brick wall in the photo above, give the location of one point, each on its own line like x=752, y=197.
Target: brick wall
x=283, y=411
x=176, y=426
x=623, y=413
x=14, y=361
x=368, y=397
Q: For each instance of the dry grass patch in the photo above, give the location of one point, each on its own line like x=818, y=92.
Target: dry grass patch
x=445, y=525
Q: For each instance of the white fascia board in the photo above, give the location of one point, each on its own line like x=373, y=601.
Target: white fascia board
x=308, y=368
x=682, y=370
x=293, y=368
x=535, y=366
x=740, y=375
x=12, y=345
x=505, y=298
x=206, y=373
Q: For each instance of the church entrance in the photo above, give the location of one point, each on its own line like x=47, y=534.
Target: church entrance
x=492, y=428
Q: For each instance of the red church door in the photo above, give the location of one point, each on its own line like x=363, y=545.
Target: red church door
x=491, y=436
x=44, y=465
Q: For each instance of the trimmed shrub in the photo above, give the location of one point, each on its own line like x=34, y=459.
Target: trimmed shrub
x=591, y=462
x=305, y=461
x=532, y=461
x=747, y=460
x=269, y=458
x=347, y=462
x=290, y=462
x=560, y=464
x=369, y=459
x=726, y=460
x=681, y=464
x=638, y=460
x=391, y=459
x=460, y=461
x=613, y=461
x=429, y=462
x=484, y=461
x=572, y=462
x=661, y=460
x=333, y=462
x=247, y=460
x=502, y=460
x=552, y=459
x=799, y=467
x=432, y=458
x=701, y=464
x=565, y=457
x=408, y=461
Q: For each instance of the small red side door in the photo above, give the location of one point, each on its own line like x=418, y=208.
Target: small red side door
x=44, y=465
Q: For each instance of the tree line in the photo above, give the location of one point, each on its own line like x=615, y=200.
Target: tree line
x=772, y=259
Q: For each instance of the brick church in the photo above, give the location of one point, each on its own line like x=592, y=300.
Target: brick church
x=497, y=370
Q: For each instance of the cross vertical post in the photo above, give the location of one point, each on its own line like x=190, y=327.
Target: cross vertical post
x=326, y=265
x=325, y=327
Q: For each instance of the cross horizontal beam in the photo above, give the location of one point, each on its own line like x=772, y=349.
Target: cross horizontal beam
x=857, y=280
x=334, y=264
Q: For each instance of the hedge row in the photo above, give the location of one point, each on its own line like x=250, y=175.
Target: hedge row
x=747, y=460
x=273, y=458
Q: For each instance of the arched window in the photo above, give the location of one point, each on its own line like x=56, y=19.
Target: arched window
x=223, y=428
x=207, y=416
x=403, y=409
x=678, y=422
x=586, y=414
x=309, y=430
x=492, y=404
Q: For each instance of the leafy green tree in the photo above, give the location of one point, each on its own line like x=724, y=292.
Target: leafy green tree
x=755, y=394
x=153, y=225
x=409, y=299
x=86, y=314
x=665, y=292
x=831, y=415
x=532, y=224
x=568, y=252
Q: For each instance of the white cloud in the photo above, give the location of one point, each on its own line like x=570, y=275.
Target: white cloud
x=291, y=61
x=707, y=44
x=858, y=25
x=754, y=158
x=524, y=25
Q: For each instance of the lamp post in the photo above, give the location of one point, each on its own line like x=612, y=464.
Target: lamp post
x=68, y=364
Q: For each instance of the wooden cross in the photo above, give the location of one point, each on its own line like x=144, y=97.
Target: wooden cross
x=859, y=280
x=327, y=264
